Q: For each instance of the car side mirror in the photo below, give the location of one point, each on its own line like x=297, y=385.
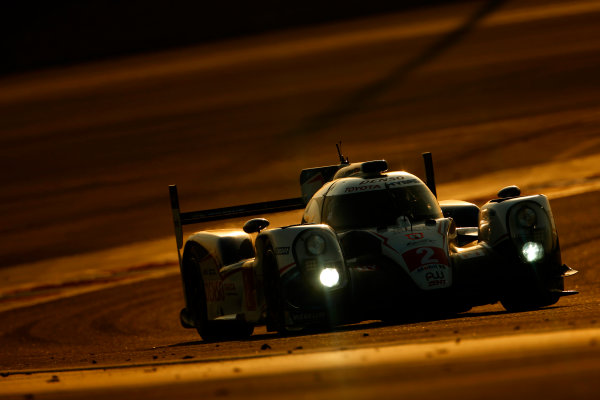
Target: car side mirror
x=509, y=191
x=255, y=225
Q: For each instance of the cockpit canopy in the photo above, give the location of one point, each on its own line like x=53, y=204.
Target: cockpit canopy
x=355, y=203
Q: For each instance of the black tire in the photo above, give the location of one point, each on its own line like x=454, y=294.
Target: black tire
x=528, y=302
x=185, y=318
x=196, y=299
x=532, y=292
x=273, y=293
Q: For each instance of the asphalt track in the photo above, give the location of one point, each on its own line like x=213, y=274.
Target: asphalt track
x=490, y=88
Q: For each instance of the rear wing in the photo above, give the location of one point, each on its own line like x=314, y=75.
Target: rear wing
x=312, y=179
x=194, y=217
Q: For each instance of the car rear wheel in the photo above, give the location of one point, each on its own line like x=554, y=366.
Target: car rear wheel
x=196, y=300
x=527, y=302
x=273, y=294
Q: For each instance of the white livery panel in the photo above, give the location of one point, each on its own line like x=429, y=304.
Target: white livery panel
x=422, y=251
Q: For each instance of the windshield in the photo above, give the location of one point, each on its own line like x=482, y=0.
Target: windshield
x=379, y=208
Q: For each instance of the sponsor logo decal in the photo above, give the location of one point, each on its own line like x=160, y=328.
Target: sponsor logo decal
x=430, y=267
x=352, y=189
x=436, y=278
x=419, y=243
x=406, y=182
x=380, y=180
x=415, y=235
x=281, y=251
x=308, y=316
x=441, y=282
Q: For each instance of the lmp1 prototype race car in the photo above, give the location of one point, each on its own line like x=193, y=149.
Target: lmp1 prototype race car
x=372, y=244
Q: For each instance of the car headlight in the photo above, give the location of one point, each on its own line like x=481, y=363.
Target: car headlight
x=315, y=244
x=526, y=217
x=532, y=251
x=329, y=277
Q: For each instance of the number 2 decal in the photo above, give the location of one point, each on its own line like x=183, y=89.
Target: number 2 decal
x=420, y=256
x=427, y=256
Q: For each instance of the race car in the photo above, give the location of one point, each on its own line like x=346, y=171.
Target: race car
x=371, y=244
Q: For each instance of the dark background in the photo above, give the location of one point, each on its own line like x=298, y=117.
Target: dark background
x=58, y=33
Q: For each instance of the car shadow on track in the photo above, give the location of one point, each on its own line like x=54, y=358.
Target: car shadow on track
x=363, y=326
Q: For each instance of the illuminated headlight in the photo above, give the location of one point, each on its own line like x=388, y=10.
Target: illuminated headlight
x=329, y=277
x=315, y=244
x=526, y=217
x=532, y=251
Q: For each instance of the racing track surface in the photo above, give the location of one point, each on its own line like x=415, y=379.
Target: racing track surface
x=486, y=87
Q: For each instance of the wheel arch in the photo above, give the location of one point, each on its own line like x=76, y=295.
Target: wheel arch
x=191, y=275
x=215, y=249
